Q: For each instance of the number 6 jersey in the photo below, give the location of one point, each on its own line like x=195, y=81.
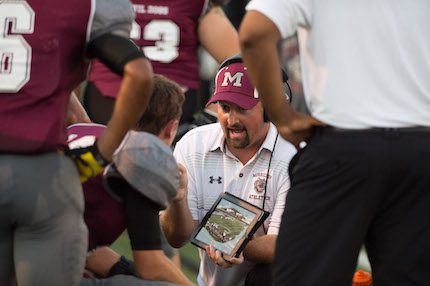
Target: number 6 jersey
x=42, y=59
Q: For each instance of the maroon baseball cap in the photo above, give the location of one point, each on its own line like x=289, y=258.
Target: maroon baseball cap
x=232, y=85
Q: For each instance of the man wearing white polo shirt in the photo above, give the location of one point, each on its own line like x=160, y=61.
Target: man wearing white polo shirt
x=243, y=155
x=364, y=177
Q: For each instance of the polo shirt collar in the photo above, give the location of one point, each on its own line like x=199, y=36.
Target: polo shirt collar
x=218, y=140
x=270, y=138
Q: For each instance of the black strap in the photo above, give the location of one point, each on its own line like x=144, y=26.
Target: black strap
x=123, y=267
x=267, y=176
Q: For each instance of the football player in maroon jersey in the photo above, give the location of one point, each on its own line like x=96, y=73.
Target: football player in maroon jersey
x=45, y=46
x=170, y=33
x=107, y=218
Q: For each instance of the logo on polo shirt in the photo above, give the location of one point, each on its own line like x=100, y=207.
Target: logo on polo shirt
x=212, y=180
x=259, y=185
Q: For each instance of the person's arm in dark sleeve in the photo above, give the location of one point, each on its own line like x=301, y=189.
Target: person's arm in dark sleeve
x=108, y=41
x=144, y=230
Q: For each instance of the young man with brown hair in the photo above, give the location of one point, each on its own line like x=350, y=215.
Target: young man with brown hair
x=131, y=207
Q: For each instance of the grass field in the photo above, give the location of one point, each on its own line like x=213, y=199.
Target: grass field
x=190, y=257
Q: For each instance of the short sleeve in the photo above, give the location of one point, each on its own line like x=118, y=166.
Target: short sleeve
x=112, y=16
x=287, y=15
x=278, y=209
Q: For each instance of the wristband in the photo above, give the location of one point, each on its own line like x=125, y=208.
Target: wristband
x=124, y=267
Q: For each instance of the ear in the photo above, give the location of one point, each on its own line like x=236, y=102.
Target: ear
x=168, y=133
x=265, y=117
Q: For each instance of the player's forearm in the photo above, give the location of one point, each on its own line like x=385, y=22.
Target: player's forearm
x=101, y=260
x=261, y=249
x=133, y=97
x=173, y=274
x=177, y=223
x=154, y=265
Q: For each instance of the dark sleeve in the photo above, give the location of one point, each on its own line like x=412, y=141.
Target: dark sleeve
x=114, y=51
x=143, y=223
x=213, y=3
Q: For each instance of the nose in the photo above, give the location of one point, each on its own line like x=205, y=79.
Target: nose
x=233, y=117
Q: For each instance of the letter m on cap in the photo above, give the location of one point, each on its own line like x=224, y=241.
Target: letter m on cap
x=236, y=79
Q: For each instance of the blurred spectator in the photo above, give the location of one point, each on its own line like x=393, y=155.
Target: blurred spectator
x=290, y=58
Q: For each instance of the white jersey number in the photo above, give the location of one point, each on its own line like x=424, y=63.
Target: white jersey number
x=16, y=17
x=165, y=33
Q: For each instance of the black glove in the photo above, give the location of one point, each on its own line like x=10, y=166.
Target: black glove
x=88, y=160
